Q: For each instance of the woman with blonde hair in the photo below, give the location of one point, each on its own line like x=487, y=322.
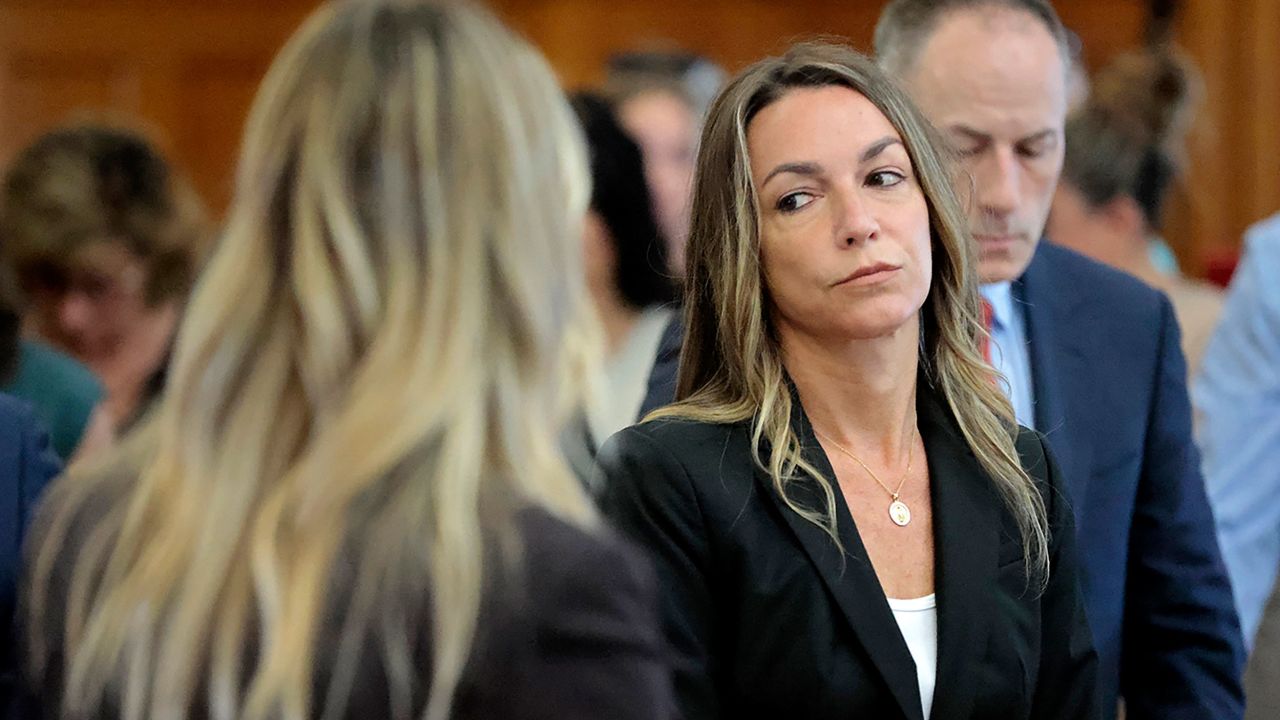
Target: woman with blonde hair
x=846, y=520
x=350, y=501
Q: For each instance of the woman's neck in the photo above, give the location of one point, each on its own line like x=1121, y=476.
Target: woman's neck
x=1134, y=257
x=862, y=393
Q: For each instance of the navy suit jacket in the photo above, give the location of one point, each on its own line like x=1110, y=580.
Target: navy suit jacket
x=1111, y=399
x=27, y=464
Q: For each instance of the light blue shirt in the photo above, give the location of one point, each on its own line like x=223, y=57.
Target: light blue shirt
x=1009, y=352
x=1237, y=401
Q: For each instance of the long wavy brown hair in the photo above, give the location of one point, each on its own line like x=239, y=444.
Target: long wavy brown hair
x=731, y=367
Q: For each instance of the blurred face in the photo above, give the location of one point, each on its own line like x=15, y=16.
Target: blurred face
x=1073, y=224
x=994, y=84
x=91, y=306
x=844, y=234
x=598, y=256
x=666, y=131
x=1112, y=233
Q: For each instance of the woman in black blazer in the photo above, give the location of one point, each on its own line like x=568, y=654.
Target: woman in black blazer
x=845, y=518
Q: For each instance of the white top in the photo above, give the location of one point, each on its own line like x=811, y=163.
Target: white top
x=620, y=391
x=918, y=621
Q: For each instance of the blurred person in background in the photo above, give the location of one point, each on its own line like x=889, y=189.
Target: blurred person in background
x=106, y=239
x=628, y=273
x=1123, y=154
x=349, y=501
x=1088, y=355
x=27, y=464
x=1237, y=398
x=661, y=98
x=64, y=394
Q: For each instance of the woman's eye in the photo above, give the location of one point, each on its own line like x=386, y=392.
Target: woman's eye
x=885, y=178
x=794, y=201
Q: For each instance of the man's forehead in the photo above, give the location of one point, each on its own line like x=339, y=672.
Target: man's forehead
x=997, y=45
x=984, y=73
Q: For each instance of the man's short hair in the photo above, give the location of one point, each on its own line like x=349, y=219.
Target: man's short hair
x=905, y=26
x=692, y=78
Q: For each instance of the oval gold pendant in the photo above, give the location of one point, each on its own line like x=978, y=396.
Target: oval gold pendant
x=899, y=513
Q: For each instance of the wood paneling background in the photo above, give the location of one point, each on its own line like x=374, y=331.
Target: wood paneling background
x=1234, y=177
x=186, y=70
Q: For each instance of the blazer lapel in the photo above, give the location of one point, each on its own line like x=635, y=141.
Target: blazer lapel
x=849, y=578
x=967, y=540
x=1054, y=362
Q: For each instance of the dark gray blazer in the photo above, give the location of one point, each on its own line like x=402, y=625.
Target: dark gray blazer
x=573, y=635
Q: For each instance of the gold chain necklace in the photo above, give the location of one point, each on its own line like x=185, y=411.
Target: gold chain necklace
x=899, y=513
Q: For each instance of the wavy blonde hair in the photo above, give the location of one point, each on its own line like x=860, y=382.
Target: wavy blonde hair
x=731, y=367
x=366, y=382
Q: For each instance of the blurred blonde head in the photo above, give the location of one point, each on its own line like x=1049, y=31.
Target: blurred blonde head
x=731, y=368
x=368, y=378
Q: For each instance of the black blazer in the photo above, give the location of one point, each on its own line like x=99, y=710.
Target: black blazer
x=766, y=619
x=1110, y=392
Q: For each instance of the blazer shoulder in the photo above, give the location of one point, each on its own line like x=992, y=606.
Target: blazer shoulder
x=699, y=472
x=587, y=637
x=679, y=439
x=1117, y=318
x=577, y=570
x=1101, y=285
x=559, y=553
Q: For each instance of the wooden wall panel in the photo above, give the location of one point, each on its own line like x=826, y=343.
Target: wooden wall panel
x=214, y=95
x=37, y=87
x=186, y=71
x=1233, y=178
x=1262, y=89
x=579, y=35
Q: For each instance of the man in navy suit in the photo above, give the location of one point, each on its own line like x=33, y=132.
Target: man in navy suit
x=1090, y=358
x=27, y=464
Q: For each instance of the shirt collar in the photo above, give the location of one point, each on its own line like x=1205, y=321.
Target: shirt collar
x=1000, y=295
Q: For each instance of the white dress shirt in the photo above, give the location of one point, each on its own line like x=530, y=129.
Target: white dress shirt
x=1009, y=352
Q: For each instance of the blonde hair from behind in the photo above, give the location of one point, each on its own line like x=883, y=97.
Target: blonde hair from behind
x=368, y=378
x=731, y=368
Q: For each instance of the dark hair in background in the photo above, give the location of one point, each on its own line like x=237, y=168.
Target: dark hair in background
x=905, y=25
x=84, y=183
x=693, y=78
x=1127, y=141
x=621, y=198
